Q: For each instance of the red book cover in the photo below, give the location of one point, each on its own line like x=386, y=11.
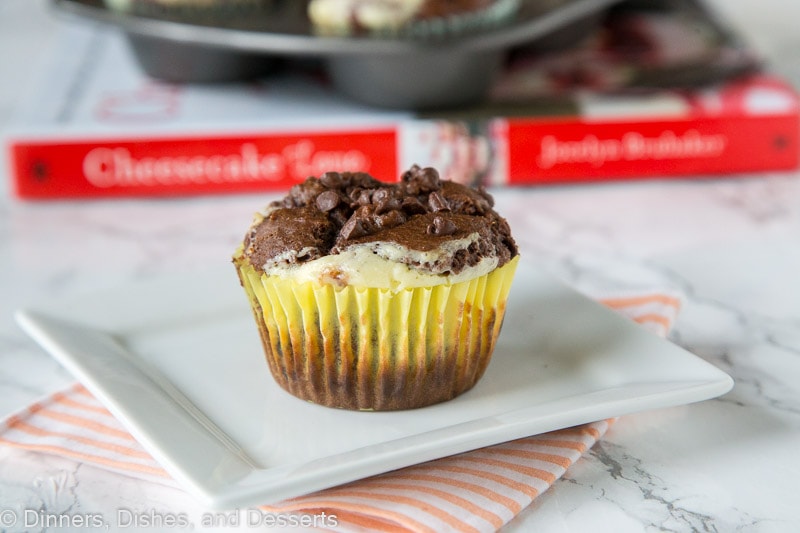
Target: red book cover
x=747, y=125
x=187, y=164
x=647, y=96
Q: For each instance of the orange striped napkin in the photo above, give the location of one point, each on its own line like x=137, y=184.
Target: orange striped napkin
x=477, y=491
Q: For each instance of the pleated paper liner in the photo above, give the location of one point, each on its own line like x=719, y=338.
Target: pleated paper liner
x=376, y=349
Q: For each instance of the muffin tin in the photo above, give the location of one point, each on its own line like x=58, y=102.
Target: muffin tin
x=386, y=72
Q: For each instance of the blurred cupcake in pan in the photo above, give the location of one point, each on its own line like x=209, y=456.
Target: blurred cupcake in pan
x=408, y=18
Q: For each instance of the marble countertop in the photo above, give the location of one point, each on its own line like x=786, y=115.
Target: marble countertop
x=731, y=246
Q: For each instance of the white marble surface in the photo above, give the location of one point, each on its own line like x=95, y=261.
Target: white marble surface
x=731, y=245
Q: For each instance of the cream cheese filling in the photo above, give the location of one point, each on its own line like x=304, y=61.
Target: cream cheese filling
x=379, y=265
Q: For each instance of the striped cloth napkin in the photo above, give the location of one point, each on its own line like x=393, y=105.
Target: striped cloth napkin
x=476, y=491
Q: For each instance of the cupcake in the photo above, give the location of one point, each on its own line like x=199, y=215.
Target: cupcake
x=378, y=296
x=415, y=18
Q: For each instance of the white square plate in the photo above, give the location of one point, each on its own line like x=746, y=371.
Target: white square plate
x=179, y=362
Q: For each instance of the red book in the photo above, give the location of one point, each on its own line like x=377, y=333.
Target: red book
x=97, y=127
x=747, y=125
x=96, y=167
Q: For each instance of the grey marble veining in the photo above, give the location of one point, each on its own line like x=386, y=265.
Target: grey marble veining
x=731, y=247
x=720, y=465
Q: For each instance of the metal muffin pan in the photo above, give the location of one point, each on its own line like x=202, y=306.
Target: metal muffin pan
x=386, y=72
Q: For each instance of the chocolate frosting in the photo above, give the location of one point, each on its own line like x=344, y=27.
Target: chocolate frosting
x=326, y=215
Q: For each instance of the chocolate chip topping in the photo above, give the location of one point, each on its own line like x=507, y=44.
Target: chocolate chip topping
x=437, y=202
x=327, y=201
x=441, y=226
x=326, y=215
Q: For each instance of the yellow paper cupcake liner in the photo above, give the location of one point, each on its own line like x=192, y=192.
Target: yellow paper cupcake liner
x=375, y=349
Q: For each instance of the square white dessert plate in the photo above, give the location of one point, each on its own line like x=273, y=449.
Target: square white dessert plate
x=179, y=362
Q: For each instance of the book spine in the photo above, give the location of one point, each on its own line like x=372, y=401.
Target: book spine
x=547, y=151
x=499, y=152
x=172, y=166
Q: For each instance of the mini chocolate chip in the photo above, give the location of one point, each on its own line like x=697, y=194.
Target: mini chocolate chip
x=408, y=174
x=429, y=179
x=353, y=229
x=420, y=180
x=364, y=197
x=412, y=206
x=364, y=180
x=441, y=226
x=352, y=194
x=332, y=180
x=380, y=195
x=387, y=204
x=327, y=201
x=305, y=193
x=437, y=202
x=391, y=219
x=468, y=204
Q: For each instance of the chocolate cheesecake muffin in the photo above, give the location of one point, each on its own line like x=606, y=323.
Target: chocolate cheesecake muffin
x=378, y=296
x=420, y=18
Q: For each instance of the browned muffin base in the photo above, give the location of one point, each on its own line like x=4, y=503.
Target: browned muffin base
x=334, y=375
